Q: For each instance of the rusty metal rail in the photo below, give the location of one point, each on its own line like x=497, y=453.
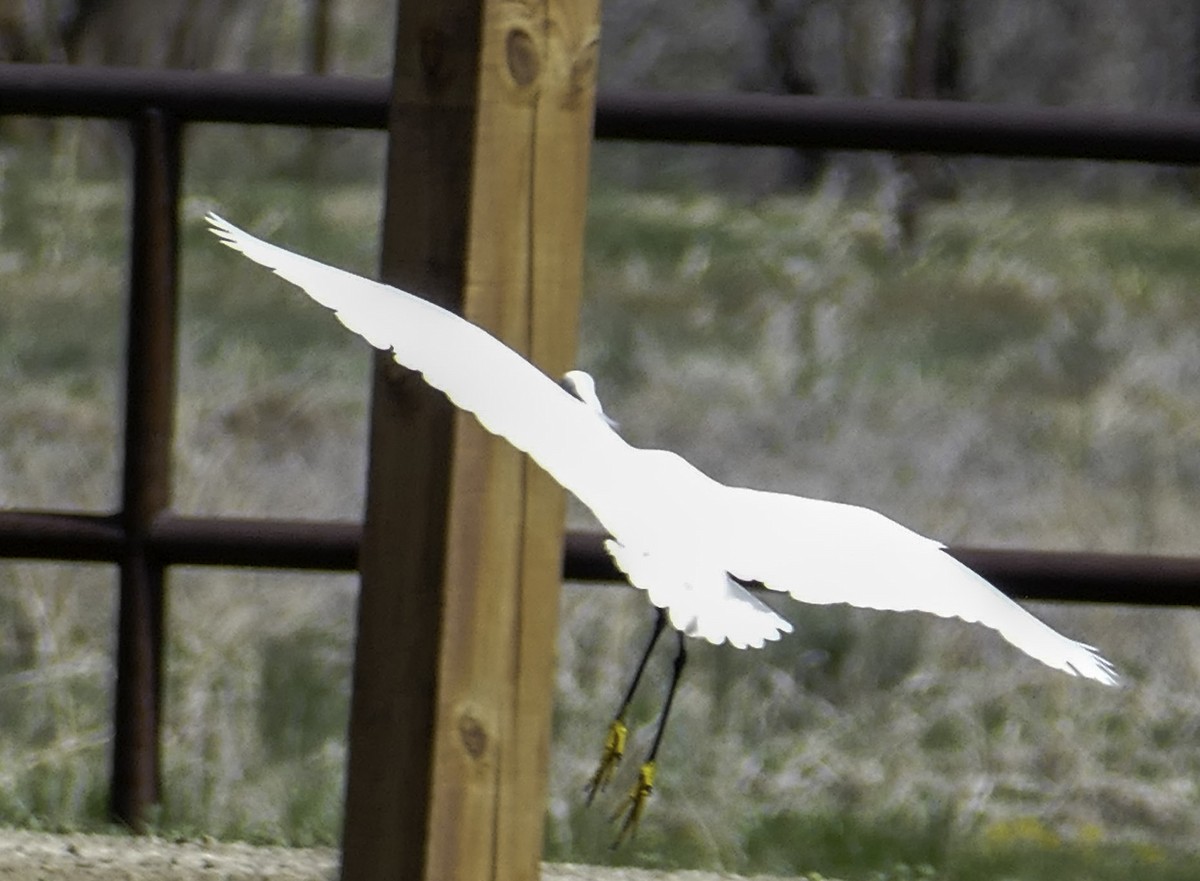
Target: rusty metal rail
x=942, y=127
x=144, y=537
x=897, y=126
x=1129, y=579
x=146, y=482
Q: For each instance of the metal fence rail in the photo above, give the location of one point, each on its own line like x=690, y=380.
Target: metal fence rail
x=898, y=126
x=144, y=537
x=1128, y=579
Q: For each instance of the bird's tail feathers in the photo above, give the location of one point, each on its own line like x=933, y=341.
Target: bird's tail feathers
x=700, y=601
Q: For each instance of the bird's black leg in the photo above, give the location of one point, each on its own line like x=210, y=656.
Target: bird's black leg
x=660, y=622
x=618, y=731
x=677, y=673
x=636, y=803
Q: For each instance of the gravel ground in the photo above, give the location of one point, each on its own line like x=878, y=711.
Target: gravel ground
x=37, y=856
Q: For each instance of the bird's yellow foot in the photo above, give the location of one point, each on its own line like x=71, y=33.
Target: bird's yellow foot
x=635, y=804
x=614, y=749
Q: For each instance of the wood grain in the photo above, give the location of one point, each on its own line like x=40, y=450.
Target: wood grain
x=449, y=735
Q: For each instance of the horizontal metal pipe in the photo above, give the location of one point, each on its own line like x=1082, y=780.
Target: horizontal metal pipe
x=1129, y=579
x=186, y=541
x=53, y=535
x=193, y=96
x=902, y=126
x=275, y=544
x=899, y=126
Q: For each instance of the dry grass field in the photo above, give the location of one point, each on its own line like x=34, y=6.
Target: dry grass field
x=1024, y=376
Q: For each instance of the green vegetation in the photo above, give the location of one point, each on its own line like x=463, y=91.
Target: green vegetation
x=1024, y=375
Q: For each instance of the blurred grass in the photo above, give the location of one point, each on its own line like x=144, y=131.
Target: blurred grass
x=1024, y=376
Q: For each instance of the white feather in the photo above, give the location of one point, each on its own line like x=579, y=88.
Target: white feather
x=677, y=534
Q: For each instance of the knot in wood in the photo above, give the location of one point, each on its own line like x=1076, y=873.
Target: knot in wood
x=474, y=738
x=520, y=50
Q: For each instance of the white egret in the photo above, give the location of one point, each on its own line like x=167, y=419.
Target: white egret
x=676, y=533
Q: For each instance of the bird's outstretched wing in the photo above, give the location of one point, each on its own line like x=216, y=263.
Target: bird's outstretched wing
x=508, y=395
x=819, y=552
x=825, y=552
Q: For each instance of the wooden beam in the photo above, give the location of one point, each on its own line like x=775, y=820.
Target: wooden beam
x=490, y=129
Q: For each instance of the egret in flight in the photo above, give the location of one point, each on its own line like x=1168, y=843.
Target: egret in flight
x=690, y=542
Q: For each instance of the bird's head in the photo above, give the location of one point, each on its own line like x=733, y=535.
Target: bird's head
x=581, y=386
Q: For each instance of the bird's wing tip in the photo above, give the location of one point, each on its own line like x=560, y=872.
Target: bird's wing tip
x=1096, y=667
x=1107, y=670
x=222, y=228
x=219, y=226
x=1111, y=676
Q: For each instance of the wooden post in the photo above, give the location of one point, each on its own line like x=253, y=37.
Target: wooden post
x=449, y=734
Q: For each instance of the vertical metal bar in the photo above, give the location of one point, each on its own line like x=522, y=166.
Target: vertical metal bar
x=146, y=490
